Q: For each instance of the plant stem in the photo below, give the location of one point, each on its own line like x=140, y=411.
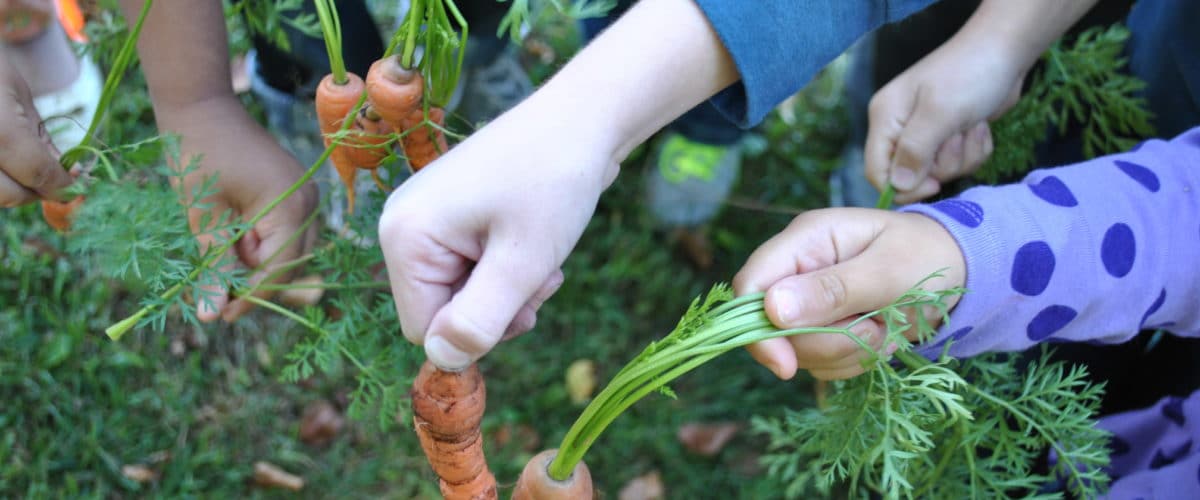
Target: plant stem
x=325, y=286
x=124, y=57
x=331, y=29
x=285, y=312
x=415, y=14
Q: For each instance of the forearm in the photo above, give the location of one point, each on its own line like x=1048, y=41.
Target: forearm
x=1093, y=252
x=1023, y=28
x=184, y=53
x=653, y=64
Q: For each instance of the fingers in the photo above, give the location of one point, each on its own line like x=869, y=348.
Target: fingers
x=28, y=160
x=917, y=145
x=977, y=148
x=813, y=240
x=213, y=292
x=526, y=318
x=827, y=356
x=266, y=251
x=475, y=319
x=12, y=193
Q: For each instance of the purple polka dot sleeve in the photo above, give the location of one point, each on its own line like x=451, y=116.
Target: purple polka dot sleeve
x=1092, y=252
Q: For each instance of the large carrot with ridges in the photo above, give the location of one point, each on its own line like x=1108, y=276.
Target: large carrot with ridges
x=447, y=409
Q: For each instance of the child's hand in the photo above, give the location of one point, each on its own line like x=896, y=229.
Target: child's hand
x=473, y=243
x=830, y=266
x=929, y=125
x=251, y=169
x=28, y=166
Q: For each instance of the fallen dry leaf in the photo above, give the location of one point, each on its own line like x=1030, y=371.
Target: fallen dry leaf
x=695, y=246
x=647, y=486
x=526, y=438
x=271, y=476
x=707, y=439
x=320, y=423
x=139, y=473
x=581, y=380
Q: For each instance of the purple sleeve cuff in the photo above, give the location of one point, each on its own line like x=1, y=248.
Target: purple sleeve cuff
x=1092, y=252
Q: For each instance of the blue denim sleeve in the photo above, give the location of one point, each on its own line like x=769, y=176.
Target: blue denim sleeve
x=779, y=45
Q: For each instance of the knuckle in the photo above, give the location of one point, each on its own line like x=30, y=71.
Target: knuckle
x=833, y=291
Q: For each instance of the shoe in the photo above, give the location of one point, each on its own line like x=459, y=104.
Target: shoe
x=688, y=181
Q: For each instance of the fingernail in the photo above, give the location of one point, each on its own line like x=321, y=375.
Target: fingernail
x=443, y=354
x=787, y=305
x=903, y=178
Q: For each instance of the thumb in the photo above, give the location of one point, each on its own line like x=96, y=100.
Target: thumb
x=476, y=318
x=829, y=294
x=917, y=145
x=264, y=252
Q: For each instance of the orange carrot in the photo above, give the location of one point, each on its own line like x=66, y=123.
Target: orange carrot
x=364, y=145
x=394, y=91
x=58, y=214
x=423, y=142
x=536, y=484
x=72, y=19
x=447, y=409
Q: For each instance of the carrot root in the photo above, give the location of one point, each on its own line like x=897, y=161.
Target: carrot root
x=536, y=484
x=58, y=215
x=447, y=410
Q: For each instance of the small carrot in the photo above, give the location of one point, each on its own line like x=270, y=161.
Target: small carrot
x=394, y=91
x=423, y=141
x=58, y=214
x=535, y=482
x=72, y=19
x=447, y=410
x=360, y=148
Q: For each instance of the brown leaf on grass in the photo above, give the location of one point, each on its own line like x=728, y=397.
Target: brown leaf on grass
x=139, y=473
x=694, y=244
x=320, y=423
x=647, y=486
x=581, y=380
x=526, y=438
x=707, y=439
x=271, y=476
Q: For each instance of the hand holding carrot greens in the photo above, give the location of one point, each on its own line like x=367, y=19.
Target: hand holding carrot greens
x=831, y=266
x=184, y=51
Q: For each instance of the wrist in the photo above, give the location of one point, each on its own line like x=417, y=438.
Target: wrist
x=218, y=110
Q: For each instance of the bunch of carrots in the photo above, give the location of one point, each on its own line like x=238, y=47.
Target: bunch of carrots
x=361, y=133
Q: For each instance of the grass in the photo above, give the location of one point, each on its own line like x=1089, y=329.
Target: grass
x=201, y=405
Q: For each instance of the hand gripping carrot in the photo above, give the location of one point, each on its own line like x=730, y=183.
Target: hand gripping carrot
x=447, y=409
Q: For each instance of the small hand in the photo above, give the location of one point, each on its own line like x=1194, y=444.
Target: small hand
x=29, y=168
x=252, y=170
x=828, y=267
x=930, y=124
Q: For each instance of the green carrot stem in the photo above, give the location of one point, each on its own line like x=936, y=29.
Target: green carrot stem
x=124, y=57
x=331, y=30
